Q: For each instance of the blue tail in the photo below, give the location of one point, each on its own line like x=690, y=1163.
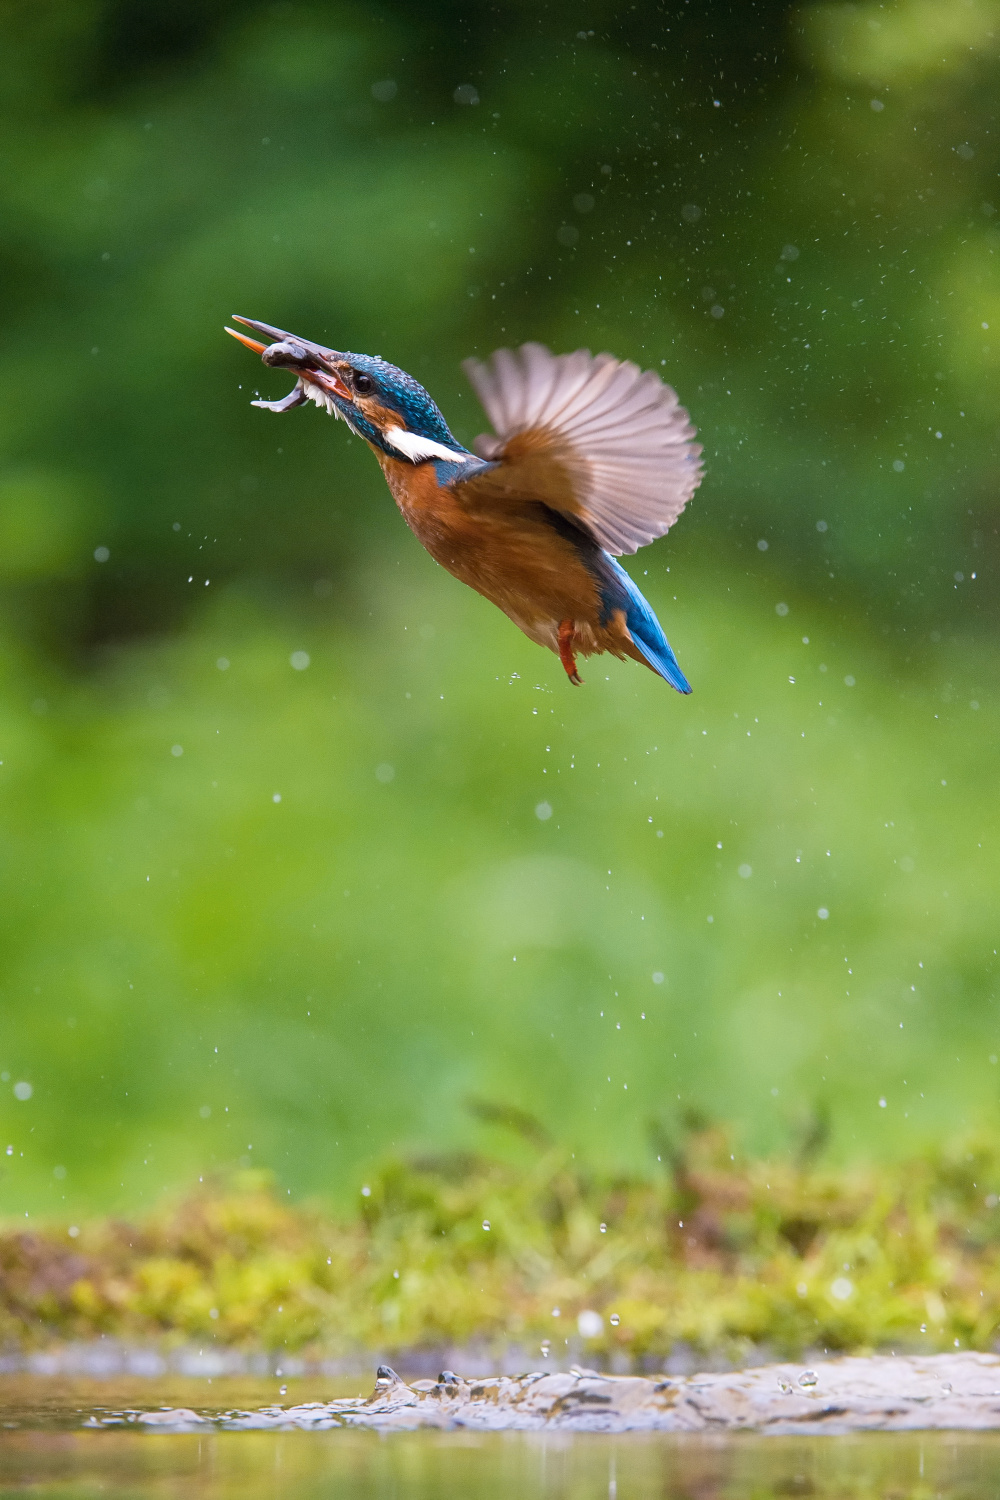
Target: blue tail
x=644, y=627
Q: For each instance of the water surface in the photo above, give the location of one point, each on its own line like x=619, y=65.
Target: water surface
x=46, y=1450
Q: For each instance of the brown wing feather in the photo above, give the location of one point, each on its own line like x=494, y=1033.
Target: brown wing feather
x=590, y=435
x=534, y=465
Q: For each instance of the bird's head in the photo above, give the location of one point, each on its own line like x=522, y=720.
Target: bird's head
x=378, y=401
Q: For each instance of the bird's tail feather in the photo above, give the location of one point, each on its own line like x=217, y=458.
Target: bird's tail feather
x=648, y=637
x=661, y=658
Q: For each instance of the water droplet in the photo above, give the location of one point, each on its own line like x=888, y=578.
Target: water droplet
x=842, y=1289
x=22, y=1091
x=808, y=1377
x=614, y=1320
x=486, y=1225
x=101, y=554
x=590, y=1324
x=300, y=660
x=604, y=1228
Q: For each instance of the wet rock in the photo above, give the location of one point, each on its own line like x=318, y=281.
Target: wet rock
x=881, y=1393
x=173, y=1417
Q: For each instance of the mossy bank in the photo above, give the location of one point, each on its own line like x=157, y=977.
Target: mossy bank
x=719, y=1257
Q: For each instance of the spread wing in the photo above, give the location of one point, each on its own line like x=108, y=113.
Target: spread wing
x=590, y=435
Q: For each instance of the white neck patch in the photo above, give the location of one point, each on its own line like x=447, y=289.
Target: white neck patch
x=410, y=444
x=417, y=448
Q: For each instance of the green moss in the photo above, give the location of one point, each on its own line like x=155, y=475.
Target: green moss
x=720, y=1254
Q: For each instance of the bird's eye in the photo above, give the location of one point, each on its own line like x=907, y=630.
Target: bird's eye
x=363, y=384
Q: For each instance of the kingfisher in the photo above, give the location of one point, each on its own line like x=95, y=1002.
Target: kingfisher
x=590, y=458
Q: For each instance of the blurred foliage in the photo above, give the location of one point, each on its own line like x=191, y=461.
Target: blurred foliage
x=790, y=212
x=718, y=1256
x=301, y=916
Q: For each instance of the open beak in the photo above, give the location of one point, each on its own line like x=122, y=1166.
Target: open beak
x=312, y=363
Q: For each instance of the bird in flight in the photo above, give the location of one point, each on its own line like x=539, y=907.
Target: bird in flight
x=592, y=457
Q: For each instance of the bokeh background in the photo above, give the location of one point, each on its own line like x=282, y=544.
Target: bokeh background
x=307, y=855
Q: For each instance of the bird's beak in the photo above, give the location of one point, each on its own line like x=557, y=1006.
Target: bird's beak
x=254, y=344
x=311, y=362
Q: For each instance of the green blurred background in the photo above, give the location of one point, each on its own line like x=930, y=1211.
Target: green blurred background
x=304, y=847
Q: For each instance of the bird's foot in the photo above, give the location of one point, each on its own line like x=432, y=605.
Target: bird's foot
x=566, y=631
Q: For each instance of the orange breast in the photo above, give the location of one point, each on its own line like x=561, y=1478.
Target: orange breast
x=507, y=553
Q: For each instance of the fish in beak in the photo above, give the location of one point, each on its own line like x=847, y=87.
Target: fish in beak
x=315, y=367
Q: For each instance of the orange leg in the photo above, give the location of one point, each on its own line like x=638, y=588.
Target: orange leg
x=566, y=656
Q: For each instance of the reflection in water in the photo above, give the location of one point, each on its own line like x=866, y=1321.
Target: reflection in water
x=44, y=1450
